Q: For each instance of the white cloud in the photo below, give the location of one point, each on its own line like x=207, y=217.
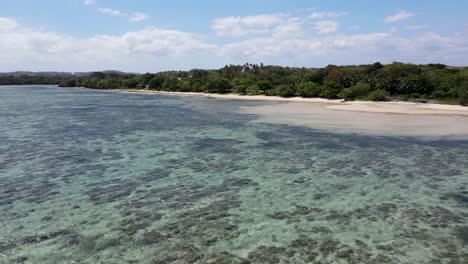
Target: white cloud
x=326, y=26
x=153, y=49
x=398, y=16
x=301, y=48
x=236, y=26
x=138, y=17
x=262, y=20
x=324, y=15
x=7, y=24
x=89, y=2
x=288, y=29
x=147, y=49
x=111, y=12
x=278, y=25
x=134, y=17
x=351, y=49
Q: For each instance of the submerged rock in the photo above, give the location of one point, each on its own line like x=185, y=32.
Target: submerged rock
x=43, y=237
x=111, y=192
x=153, y=237
x=224, y=258
x=266, y=255
x=461, y=232
x=155, y=175
x=328, y=247
x=460, y=198
x=240, y=182
x=213, y=145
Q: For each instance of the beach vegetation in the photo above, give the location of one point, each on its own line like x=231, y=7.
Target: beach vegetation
x=358, y=91
x=308, y=89
x=377, y=95
x=396, y=81
x=253, y=90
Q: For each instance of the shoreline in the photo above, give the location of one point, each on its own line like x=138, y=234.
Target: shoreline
x=236, y=96
x=392, y=107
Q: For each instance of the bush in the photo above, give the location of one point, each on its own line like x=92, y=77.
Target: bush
x=282, y=90
x=357, y=91
x=285, y=91
x=463, y=97
x=272, y=92
x=197, y=87
x=156, y=83
x=132, y=83
x=264, y=85
x=240, y=89
x=377, y=95
x=253, y=90
x=184, y=86
x=170, y=84
x=308, y=89
x=331, y=89
x=218, y=85
x=68, y=83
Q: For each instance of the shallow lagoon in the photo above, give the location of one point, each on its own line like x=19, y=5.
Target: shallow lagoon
x=100, y=177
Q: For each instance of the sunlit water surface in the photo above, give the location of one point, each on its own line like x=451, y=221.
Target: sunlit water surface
x=101, y=177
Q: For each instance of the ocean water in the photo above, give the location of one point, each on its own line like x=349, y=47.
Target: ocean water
x=102, y=177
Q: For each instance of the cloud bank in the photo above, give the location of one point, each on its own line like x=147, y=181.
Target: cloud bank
x=280, y=39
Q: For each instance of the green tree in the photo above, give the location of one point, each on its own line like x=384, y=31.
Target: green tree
x=285, y=91
x=156, y=82
x=218, y=85
x=68, y=83
x=331, y=89
x=241, y=84
x=170, y=84
x=357, y=91
x=253, y=90
x=264, y=85
x=131, y=83
x=197, y=86
x=377, y=95
x=463, y=96
x=98, y=75
x=374, y=67
x=308, y=89
x=415, y=84
x=390, y=77
x=185, y=86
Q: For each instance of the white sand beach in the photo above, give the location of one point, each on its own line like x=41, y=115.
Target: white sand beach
x=377, y=118
x=358, y=106
x=373, y=118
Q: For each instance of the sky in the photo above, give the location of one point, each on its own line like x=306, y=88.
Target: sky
x=157, y=35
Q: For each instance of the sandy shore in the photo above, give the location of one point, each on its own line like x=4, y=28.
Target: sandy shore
x=356, y=106
x=376, y=118
x=402, y=108
x=443, y=124
x=238, y=97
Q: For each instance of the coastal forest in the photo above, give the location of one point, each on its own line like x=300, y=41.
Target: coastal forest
x=374, y=82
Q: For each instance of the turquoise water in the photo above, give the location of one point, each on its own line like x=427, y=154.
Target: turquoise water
x=101, y=177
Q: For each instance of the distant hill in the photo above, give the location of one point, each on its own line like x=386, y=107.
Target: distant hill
x=51, y=77
x=60, y=74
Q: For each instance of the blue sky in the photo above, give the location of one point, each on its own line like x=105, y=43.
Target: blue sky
x=156, y=35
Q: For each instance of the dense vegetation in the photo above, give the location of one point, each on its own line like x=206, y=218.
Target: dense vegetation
x=10, y=79
x=375, y=82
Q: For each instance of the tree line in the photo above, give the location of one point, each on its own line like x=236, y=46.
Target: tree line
x=375, y=82
x=11, y=79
